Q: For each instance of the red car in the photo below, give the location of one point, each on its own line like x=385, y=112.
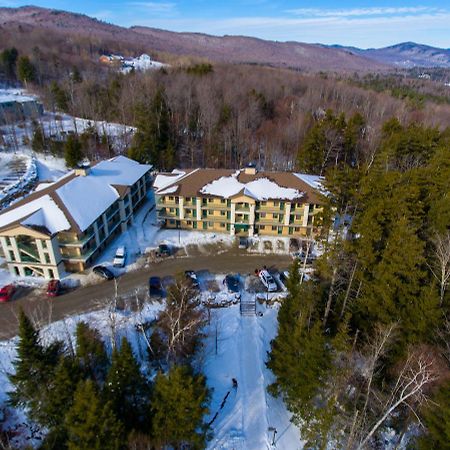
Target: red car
x=53, y=288
x=6, y=292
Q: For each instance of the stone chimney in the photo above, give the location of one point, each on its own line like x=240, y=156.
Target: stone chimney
x=83, y=168
x=250, y=169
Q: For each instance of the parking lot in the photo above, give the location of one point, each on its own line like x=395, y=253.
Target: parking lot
x=86, y=298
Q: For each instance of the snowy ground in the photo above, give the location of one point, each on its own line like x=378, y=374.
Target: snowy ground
x=249, y=412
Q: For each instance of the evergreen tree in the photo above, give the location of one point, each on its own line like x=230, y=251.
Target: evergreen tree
x=90, y=352
x=126, y=388
x=436, y=418
x=91, y=423
x=26, y=72
x=9, y=61
x=152, y=141
x=60, y=96
x=178, y=406
x=33, y=368
x=38, y=142
x=73, y=153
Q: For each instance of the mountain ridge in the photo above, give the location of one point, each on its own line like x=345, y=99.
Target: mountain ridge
x=230, y=48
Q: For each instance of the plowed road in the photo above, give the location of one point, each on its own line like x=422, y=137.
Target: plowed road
x=84, y=299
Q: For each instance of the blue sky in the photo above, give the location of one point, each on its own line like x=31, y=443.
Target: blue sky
x=360, y=23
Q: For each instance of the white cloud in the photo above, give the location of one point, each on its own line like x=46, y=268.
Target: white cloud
x=361, y=12
x=154, y=7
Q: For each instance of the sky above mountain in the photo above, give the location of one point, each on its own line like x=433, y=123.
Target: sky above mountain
x=362, y=24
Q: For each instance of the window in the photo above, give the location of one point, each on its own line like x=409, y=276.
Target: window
x=210, y=200
x=47, y=258
x=51, y=274
x=222, y=200
x=275, y=216
x=189, y=223
x=172, y=222
x=262, y=215
x=188, y=199
x=262, y=227
x=297, y=229
x=171, y=210
x=274, y=228
x=222, y=225
x=210, y=224
x=276, y=203
x=263, y=203
x=177, y=199
x=170, y=198
x=298, y=217
x=222, y=213
x=11, y=255
x=8, y=240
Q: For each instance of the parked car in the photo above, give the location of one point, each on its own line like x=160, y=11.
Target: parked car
x=54, y=288
x=302, y=255
x=6, y=292
x=164, y=250
x=120, y=257
x=192, y=277
x=284, y=275
x=155, y=287
x=103, y=272
x=233, y=285
x=243, y=242
x=268, y=281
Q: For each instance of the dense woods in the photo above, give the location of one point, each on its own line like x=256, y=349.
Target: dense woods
x=91, y=394
x=363, y=347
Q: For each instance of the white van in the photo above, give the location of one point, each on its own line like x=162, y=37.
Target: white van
x=268, y=281
x=121, y=256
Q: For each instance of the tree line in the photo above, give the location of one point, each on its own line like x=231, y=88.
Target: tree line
x=87, y=395
x=362, y=347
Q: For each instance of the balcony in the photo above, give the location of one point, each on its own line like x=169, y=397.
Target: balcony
x=74, y=242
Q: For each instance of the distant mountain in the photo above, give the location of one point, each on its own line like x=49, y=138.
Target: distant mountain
x=235, y=49
x=405, y=55
x=242, y=49
x=25, y=22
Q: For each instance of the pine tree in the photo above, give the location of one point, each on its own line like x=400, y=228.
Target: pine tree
x=91, y=423
x=73, y=153
x=33, y=367
x=26, y=72
x=436, y=418
x=9, y=61
x=126, y=388
x=152, y=141
x=178, y=406
x=90, y=352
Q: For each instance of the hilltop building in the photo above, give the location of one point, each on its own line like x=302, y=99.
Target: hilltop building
x=243, y=202
x=67, y=224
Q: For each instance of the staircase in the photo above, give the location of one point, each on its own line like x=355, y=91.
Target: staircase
x=248, y=307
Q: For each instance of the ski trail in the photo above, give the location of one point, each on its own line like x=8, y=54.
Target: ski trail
x=252, y=386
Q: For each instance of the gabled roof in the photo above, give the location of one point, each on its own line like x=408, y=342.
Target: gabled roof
x=226, y=183
x=74, y=202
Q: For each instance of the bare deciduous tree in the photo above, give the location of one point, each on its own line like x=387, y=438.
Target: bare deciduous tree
x=441, y=267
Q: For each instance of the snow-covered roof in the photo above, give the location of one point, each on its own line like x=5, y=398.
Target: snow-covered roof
x=43, y=211
x=259, y=189
x=315, y=181
x=86, y=198
x=163, y=180
x=75, y=202
x=120, y=171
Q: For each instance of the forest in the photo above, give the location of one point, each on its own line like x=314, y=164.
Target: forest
x=363, y=347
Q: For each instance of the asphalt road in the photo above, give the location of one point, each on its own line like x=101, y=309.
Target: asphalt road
x=87, y=298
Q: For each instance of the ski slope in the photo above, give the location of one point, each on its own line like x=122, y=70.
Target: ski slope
x=249, y=413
